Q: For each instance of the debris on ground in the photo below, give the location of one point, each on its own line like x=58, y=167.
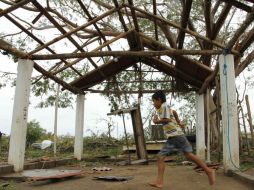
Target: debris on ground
x=212, y=166
x=43, y=145
x=101, y=169
x=45, y=174
x=134, y=162
x=4, y=185
x=114, y=178
x=187, y=163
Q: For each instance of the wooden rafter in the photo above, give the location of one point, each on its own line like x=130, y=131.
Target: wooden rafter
x=247, y=41
x=137, y=92
x=169, y=52
x=249, y=19
x=91, y=18
x=14, y=7
x=68, y=34
x=152, y=17
x=53, y=21
x=244, y=63
x=171, y=70
x=8, y=48
x=153, y=44
x=223, y=15
x=155, y=21
x=36, y=39
x=208, y=17
x=110, y=69
x=95, y=50
x=57, y=80
x=239, y=5
x=184, y=21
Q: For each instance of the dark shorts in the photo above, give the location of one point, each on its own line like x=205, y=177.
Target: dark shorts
x=179, y=142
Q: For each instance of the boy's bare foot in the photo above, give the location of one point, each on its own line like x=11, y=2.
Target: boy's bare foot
x=211, y=177
x=156, y=184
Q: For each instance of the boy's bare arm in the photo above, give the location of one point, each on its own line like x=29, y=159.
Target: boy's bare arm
x=156, y=120
x=177, y=119
x=176, y=116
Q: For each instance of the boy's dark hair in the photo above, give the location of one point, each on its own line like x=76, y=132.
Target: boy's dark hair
x=159, y=95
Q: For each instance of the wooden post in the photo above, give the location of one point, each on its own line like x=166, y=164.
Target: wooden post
x=245, y=132
x=78, y=146
x=200, y=126
x=19, y=115
x=139, y=134
x=229, y=113
x=250, y=119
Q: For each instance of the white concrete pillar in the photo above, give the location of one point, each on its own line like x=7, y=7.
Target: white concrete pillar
x=19, y=115
x=200, y=127
x=208, y=155
x=229, y=113
x=79, y=125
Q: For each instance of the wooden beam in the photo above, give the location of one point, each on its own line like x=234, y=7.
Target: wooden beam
x=136, y=91
x=75, y=61
x=134, y=17
x=8, y=48
x=96, y=49
x=169, y=52
x=215, y=31
x=184, y=21
x=58, y=26
x=121, y=111
x=139, y=134
x=239, y=5
x=110, y=69
x=138, y=81
x=14, y=7
x=91, y=18
x=209, y=79
x=67, y=34
x=135, y=21
x=208, y=17
x=4, y=45
x=120, y=15
x=171, y=70
x=158, y=46
x=168, y=34
x=114, y=39
x=220, y=21
x=250, y=119
x=192, y=27
x=57, y=80
x=36, y=39
x=155, y=21
x=247, y=41
x=195, y=34
x=248, y=60
x=249, y=19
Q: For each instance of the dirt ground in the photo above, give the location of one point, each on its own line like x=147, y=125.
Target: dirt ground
x=176, y=178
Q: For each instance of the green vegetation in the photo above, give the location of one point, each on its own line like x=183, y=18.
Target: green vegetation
x=34, y=132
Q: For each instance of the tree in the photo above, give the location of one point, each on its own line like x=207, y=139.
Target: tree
x=34, y=132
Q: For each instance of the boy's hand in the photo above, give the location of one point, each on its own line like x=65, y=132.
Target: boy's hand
x=155, y=119
x=181, y=124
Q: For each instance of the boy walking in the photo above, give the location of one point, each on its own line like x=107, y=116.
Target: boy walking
x=175, y=139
